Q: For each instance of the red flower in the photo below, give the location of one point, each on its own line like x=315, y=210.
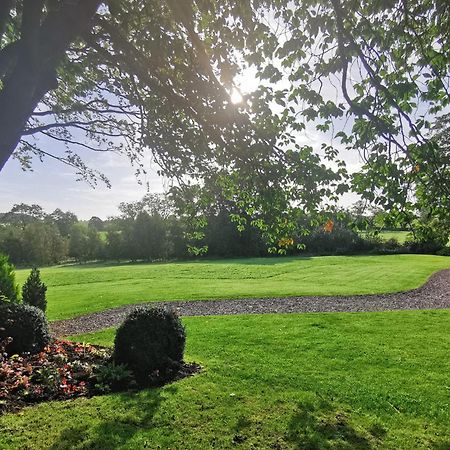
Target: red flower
x=328, y=227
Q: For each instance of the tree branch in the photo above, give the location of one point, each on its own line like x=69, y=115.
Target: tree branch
x=5, y=9
x=71, y=142
x=74, y=124
x=357, y=107
x=29, y=81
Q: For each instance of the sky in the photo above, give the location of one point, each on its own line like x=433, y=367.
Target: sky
x=53, y=185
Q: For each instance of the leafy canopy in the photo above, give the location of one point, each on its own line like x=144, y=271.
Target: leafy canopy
x=137, y=76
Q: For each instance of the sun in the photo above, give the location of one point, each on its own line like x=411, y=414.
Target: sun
x=236, y=96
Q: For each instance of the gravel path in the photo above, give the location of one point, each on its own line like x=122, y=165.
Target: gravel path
x=434, y=294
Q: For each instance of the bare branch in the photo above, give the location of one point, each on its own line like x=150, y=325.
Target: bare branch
x=75, y=124
x=72, y=142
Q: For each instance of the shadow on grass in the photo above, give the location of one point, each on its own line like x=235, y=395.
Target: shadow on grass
x=258, y=261
x=322, y=426
x=115, y=426
x=442, y=445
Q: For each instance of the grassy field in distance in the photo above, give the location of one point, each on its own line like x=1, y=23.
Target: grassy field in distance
x=80, y=289
x=400, y=236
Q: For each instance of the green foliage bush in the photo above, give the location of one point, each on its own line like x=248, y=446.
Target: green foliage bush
x=150, y=340
x=341, y=241
x=444, y=251
x=33, y=291
x=8, y=287
x=392, y=244
x=112, y=377
x=26, y=325
x=389, y=247
x=430, y=247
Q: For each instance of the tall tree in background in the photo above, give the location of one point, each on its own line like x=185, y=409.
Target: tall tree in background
x=79, y=242
x=151, y=203
x=11, y=244
x=43, y=243
x=149, y=236
x=96, y=223
x=157, y=75
x=85, y=243
x=23, y=214
x=63, y=220
x=29, y=235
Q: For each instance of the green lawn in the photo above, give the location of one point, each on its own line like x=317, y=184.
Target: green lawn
x=311, y=381
x=80, y=289
x=401, y=236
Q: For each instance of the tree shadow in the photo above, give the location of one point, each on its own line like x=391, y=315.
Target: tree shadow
x=257, y=261
x=114, y=430
x=441, y=445
x=322, y=426
x=248, y=261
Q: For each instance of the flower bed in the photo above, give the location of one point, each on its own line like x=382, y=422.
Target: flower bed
x=63, y=370
x=67, y=370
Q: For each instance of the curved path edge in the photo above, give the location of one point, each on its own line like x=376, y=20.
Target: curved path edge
x=434, y=294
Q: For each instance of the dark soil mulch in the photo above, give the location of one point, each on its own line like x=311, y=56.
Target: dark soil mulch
x=434, y=294
x=66, y=370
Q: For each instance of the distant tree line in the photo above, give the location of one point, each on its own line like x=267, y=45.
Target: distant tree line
x=144, y=230
x=154, y=229
x=29, y=235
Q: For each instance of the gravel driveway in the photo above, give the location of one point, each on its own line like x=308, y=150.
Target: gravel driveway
x=434, y=294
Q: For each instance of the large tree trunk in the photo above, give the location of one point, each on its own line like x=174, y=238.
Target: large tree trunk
x=33, y=71
x=17, y=103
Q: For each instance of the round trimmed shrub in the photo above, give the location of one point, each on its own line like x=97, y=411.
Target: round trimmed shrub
x=150, y=340
x=26, y=325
